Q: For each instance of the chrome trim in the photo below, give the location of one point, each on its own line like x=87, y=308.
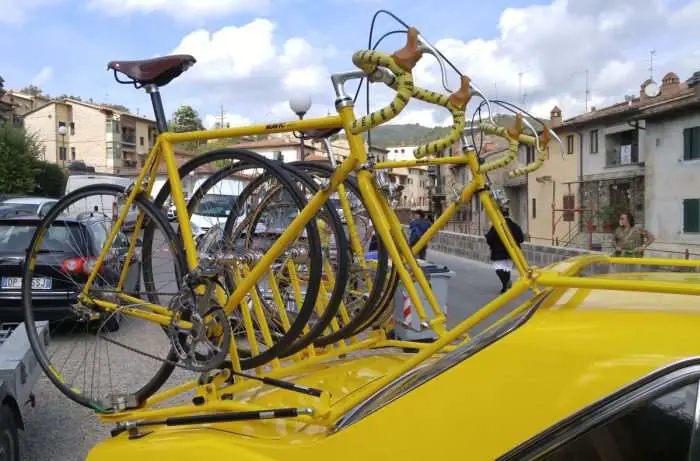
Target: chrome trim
x=341, y=78
x=648, y=387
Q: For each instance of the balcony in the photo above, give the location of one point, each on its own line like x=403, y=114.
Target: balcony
x=622, y=155
x=622, y=149
x=129, y=139
x=130, y=163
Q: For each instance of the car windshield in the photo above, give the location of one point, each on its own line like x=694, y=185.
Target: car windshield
x=216, y=206
x=428, y=371
x=62, y=237
x=8, y=210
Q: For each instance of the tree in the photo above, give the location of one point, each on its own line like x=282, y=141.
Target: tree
x=118, y=107
x=18, y=154
x=2, y=85
x=70, y=96
x=185, y=118
x=32, y=90
x=50, y=179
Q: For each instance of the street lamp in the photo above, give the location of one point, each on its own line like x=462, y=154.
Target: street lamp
x=300, y=105
x=62, y=131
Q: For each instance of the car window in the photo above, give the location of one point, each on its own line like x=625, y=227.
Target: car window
x=657, y=430
x=62, y=237
x=98, y=234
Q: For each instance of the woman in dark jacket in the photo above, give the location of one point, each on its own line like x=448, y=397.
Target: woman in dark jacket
x=499, y=255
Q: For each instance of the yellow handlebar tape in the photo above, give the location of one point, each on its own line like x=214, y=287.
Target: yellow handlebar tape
x=504, y=161
x=531, y=167
x=368, y=61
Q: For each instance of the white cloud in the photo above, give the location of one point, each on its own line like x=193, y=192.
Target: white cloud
x=18, y=11
x=542, y=52
x=260, y=74
x=43, y=76
x=184, y=10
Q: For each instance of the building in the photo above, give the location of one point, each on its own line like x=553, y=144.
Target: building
x=287, y=149
x=112, y=141
x=415, y=180
x=641, y=156
x=553, y=190
x=14, y=105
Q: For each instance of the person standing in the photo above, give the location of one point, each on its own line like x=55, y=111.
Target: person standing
x=631, y=241
x=418, y=227
x=502, y=263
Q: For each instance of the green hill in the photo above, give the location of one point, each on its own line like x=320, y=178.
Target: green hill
x=415, y=134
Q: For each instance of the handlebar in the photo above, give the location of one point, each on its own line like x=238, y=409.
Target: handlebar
x=400, y=63
x=515, y=137
x=538, y=161
x=456, y=103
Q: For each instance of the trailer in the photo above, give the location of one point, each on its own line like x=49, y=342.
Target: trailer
x=19, y=372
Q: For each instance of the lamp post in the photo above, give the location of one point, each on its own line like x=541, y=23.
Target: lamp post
x=300, y=105
x=62, y=131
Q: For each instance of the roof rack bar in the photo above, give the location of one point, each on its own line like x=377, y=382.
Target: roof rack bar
x=604, y=283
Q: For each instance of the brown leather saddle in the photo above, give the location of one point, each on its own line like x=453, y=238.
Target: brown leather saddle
x=157, y=71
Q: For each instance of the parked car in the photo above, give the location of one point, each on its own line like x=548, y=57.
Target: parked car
x=69, y=249
x=112, y=207
x=33, y=205
x=577, y=374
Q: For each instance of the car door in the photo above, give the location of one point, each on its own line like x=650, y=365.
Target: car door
x=657, y=419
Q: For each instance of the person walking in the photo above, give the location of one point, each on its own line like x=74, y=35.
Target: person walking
x=418, y=227
x=631, y=241
x=502, y=263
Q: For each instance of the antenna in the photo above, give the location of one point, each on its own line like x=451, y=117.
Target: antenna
x=652, y=53
x=222, y=116
x=588, y=91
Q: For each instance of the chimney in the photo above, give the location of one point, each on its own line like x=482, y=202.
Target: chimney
x=555, y=117
x=670, y=85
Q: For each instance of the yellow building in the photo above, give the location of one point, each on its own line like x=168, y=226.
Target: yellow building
x=112, y=141
x=554, y=187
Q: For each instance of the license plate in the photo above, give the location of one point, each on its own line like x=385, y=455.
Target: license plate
x=38, y=283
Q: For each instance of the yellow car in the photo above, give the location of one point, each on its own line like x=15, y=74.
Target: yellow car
x=582, y=375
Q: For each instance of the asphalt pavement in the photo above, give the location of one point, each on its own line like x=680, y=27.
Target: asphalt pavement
x=59, y=430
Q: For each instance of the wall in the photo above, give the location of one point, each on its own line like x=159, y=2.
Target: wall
x=594, y=163
x=669, y=180
x=90, y=137
x=474, y=247
x=560, y=169
x=43, y=125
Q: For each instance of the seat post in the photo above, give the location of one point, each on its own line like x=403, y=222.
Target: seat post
x=161, y=121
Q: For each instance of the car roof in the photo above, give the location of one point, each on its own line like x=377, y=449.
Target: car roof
x=29, y=200
x=37, y=219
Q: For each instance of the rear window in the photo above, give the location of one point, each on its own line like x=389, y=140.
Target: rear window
x=62, y=237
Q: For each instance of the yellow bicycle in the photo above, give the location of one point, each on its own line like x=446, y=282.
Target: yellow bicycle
x=182, y=316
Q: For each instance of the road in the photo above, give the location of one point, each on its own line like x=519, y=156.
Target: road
x=60, y=430
x=473, y=285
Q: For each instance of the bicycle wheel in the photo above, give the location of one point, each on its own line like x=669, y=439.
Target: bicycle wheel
x=253, y=232
x=362, y=295
x=244, y=168
x=101, y=358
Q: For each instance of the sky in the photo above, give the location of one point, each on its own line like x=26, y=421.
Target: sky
x=253, y=55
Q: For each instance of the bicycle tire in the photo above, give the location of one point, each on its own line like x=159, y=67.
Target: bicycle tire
x=341, y=273
x=251, y=159
x=154, y=217
x=367, y=311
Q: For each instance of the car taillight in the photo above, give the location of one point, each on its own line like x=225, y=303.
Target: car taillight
x=80, y=265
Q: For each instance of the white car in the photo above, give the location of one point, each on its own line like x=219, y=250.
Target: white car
x=39, y=206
